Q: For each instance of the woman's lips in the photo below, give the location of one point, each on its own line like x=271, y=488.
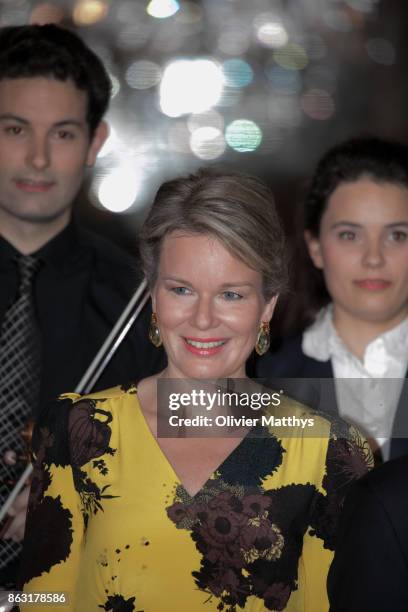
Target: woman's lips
x=372, y=284
x=30, y=186
x=204, y=347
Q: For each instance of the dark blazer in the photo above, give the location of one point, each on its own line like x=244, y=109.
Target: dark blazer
x=82, y=287
x=316, y=388
x=370, y=568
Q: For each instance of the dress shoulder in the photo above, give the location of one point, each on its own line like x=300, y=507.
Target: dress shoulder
x=64, y=417
x=112, y=393
x=295, y=418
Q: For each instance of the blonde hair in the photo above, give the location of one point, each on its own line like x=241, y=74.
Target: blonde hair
x=238, y=210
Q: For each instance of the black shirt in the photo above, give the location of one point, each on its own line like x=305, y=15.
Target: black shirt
x=82, y=286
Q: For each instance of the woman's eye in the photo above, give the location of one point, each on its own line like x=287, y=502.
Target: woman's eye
x=231, y=295
x=347, y=235
x=398, y=236
x=180, y=290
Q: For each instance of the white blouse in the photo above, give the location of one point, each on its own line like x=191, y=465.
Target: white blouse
x=367, y=390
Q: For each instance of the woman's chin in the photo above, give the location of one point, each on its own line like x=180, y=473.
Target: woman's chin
x=203, y=372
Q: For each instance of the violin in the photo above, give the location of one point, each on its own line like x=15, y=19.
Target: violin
x=24, y=458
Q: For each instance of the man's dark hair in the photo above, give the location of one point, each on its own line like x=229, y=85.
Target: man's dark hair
x=380, y=160
x=51, y=51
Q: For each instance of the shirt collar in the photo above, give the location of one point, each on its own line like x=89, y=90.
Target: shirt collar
x=55, y=252
x=320, y=341
x=396, y=340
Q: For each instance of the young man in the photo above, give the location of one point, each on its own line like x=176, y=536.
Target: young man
x=62, y=288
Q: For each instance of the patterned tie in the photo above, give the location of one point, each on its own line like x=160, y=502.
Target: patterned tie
x=20, y=369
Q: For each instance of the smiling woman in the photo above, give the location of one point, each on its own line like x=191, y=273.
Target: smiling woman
x=218, y=522
x=230, y=287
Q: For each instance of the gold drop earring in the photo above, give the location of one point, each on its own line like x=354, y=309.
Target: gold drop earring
x=154, y=331
x=263, y=339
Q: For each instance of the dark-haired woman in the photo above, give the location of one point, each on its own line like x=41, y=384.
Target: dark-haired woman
x=356, y=232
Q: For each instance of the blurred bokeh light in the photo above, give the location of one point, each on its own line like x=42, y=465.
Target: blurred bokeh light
x=207, y=142
x=237, y=73
x=243, y=135
x=118, y=190
x=162, y=8
x=270, y=31
x=264, y=87
x=47, y=13
x=143, y=74
x=88, y=12
x=190, y=86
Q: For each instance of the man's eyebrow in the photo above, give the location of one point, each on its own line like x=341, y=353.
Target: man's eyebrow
x=68, y=122
x=65, y=122
x=10, y=116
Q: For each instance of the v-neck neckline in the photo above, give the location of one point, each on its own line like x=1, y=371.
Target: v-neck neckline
x=169, y=466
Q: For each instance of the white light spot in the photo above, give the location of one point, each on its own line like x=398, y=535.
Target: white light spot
x=190, y=86
x=118, y=190
x=161, y=9
x=207, y=143
x=270, y=31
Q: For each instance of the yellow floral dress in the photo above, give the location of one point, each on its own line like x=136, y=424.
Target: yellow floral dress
x=110, y=524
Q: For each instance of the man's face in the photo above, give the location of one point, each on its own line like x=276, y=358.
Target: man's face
x=45, y=145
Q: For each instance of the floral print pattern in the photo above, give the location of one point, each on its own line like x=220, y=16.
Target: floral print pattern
x=88, y=438
x=247, y=525
x=243, y=533
x=234, y=530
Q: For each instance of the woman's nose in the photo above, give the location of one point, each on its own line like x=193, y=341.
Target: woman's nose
x=373, y=255
x=204, y=316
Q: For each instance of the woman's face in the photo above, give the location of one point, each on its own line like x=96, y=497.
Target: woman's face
x=209, y=305
x=363, y=250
